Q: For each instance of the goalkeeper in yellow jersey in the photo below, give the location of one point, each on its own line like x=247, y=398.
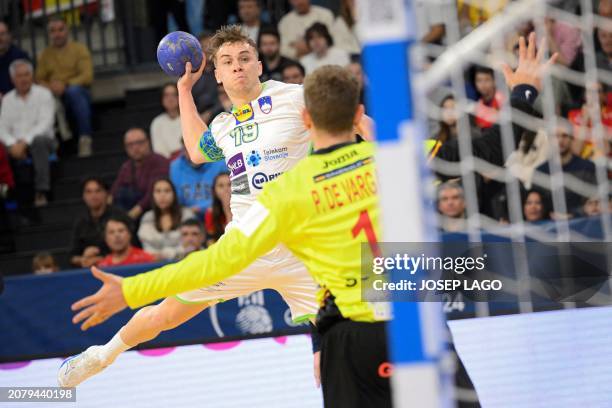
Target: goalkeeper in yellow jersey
x=322, y=210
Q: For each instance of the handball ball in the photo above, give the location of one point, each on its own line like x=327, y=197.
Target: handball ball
x=175, y=49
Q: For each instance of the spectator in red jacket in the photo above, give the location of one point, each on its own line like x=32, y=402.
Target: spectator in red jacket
x=490, y=101
x=6, y=174
x=118, y=237
x=219, y=214
x=133, y=187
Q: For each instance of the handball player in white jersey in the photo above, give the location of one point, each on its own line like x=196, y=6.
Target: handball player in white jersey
x=261, y=138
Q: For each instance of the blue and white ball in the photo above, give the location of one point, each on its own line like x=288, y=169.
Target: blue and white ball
x=175, y=49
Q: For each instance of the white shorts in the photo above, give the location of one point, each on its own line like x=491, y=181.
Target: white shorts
x=278, y=270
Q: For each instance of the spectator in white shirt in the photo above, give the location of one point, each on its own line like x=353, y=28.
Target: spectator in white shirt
x=293, y=25
x=26, y=125
x=166, y=127
x=249, y=13
x=323, y=52
x=343, y=30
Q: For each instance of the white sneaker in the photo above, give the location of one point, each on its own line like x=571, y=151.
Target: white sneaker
x=76, y=369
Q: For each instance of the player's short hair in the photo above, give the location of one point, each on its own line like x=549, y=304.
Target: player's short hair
x=229, y=34
x=331, y=95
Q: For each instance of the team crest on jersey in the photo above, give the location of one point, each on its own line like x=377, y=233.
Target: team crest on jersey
x=253, y=158
x=243, y=113
x=265, y=104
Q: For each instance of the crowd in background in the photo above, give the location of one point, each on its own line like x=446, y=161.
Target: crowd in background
x=161, y=206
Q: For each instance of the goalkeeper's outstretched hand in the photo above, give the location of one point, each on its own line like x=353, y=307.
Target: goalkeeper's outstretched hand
x=530, y=68
x=103, y=304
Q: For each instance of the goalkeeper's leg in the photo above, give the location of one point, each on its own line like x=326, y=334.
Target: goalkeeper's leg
x=145, y=325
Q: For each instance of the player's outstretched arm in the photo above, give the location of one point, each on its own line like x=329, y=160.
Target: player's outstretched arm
x=192, y=125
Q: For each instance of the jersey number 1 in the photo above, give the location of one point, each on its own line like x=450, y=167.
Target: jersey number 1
x=365, y=223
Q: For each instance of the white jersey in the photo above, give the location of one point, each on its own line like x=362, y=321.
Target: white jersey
x=259, y=141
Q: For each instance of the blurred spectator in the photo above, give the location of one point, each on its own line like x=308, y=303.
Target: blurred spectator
x=584, y=144
x=194, y=10
x=205, y=90
x=159, y=227
x=451, y=205
x=533, y=150
x=322, y=52
x=430, y=20
x=573, y=165
x=217, y=13
x=249, y=14
x=9, y=52
x=357, y=70
x=293, y=73
x=44, y=263
x=269, y=51
x=223, y=104
x=535, y=206
x=448, y=123
x=7, y=181
x=65, y=67
x=118, y=237
x=220, y=214
x=26, y=125
x=490, y=101
x=88, y=245
x=192, y=236
x=159, y=10
x=562, y=39
x=472, y=14
x=604, y=57
x=166, y=127
x=193, y=182
x=343, y=29
x=133, y=186
x=591, y=206
x=293, y=25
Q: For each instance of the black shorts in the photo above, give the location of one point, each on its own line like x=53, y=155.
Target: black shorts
x=354, y=366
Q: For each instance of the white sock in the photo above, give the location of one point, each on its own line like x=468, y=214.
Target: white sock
x=111, y=350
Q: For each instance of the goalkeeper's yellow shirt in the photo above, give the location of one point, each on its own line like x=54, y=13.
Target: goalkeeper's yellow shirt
x=322, y=210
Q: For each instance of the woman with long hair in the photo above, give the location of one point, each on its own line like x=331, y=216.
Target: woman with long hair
x=448, y=123
x=159, y=227
x=219, y=214
x=535, y=206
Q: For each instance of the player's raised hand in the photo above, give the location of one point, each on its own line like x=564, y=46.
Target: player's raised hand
x=530, y=68
x=188, y=79
x=103, y=304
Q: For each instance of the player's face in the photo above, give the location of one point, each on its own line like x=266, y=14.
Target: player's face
x=533, y=207
x=94, y=195
x=223, y=188
x=293, y=75
x=450, y=203
x=22, y=79
x=269, y=46
x=163, y=194
x=485, y=85
x=58, y=33
x=170, y=98
x=117, y=236
x=192, y=237
x=237, y=68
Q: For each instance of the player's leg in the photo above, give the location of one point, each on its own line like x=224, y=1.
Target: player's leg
x=145, y=325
